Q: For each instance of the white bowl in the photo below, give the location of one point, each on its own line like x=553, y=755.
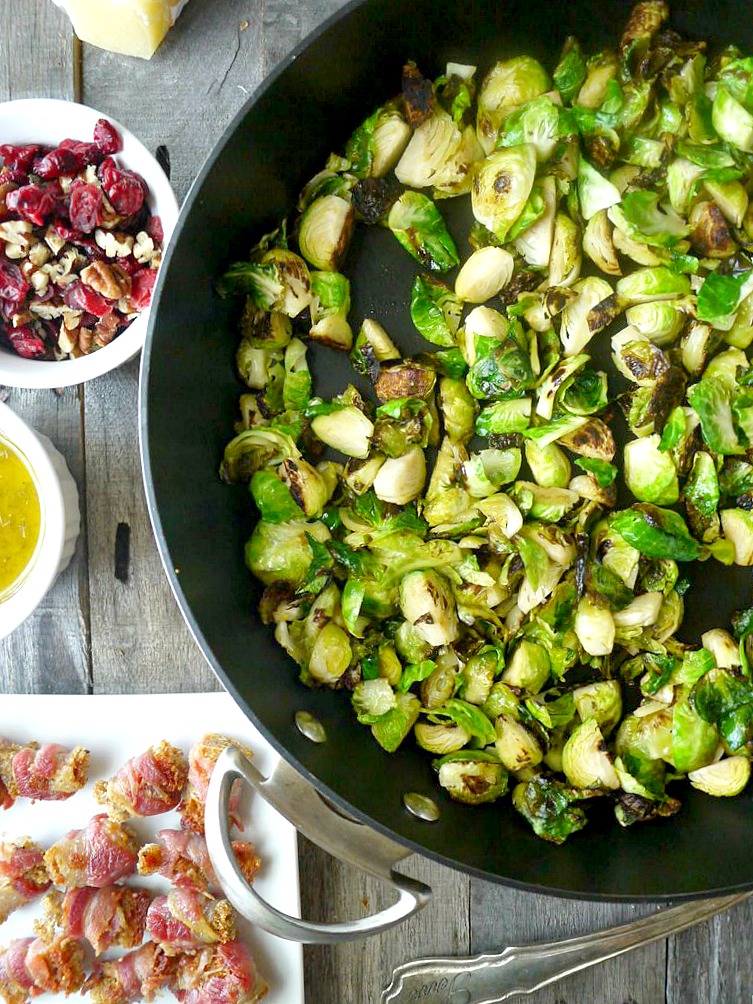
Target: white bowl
x=60, y=523
x=48, y=121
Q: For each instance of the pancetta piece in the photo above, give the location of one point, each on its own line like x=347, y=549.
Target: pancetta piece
x=30, y=966
x=23, y=875
x=201, y=760
x=182, y=858
x=112, y=917
x=185, y=920
x=225, y=974
x=47, y=772
x=145, y=785
x=100, y=854
x=136, y=976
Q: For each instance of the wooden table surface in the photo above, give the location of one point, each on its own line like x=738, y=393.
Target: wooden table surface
x=110, y=624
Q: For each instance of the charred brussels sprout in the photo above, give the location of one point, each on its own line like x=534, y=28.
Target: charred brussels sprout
x=501, y=187
x=281, y=551
x=472, y=780
x=507, y=86
x=279, y=281
x=435, y=310
x=345, y=429
x=427, y=603
x=586, y=761
x=723, y=779
x=418, y=225
x=548, y=806
x=484, y=274
x=326, y=229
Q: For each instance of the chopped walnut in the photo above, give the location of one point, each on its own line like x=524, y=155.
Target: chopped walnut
x=67, y=340
x=47, y=311
x=105, y=329
x=66, y=181
x=85, y=337
x=71, y=318
x=18, y=319
x=114, y=245
x=59, y=270
x=40, y=281
x=100, y=277
x=143, y=249
x=54, y=241
x=39, y=254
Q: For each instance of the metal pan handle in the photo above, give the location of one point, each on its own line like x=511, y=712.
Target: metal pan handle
x=344, y=838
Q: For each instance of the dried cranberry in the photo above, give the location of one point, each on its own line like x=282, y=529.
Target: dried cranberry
x=154, y=229
x=107, y=137
x=80, y=297
x=85, y=207
x=8, y=177
x=32, y=202
x=26, y=342
x=85, y=153
x=141, y=288
x=13, y=287
x=68, y=233
x=107, y=171
x=56, y=163
x=19, y=158
x=129, y=265
x=126, y=193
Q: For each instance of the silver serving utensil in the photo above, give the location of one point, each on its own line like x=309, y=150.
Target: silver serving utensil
x=487, y=979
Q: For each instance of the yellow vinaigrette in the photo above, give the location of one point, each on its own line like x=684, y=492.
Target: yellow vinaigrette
x=20, y=517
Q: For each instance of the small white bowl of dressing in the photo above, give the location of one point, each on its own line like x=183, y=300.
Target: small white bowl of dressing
x=39, y=519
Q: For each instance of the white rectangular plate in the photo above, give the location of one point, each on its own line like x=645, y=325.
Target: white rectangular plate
x=115, y=728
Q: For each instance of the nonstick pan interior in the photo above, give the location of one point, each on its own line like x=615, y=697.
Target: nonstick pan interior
x=189, y=399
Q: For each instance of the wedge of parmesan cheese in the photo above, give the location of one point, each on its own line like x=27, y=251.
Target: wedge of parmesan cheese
x=131, y=27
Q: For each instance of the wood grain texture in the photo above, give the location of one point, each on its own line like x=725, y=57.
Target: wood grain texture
x=712, y=962
x=358, y=972
x=139, y=639
x=501, y=917
x=50, y=652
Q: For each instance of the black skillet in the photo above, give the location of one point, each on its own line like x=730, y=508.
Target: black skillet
x=189, y=392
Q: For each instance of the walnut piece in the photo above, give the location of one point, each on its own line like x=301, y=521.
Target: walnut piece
x=114, y=245
x=100, y=277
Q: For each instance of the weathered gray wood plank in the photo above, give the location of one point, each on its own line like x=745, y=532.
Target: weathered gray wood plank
x=501, y=917
x=712, y=962
x=358, y=972
x=50, y=652
x=139, y=640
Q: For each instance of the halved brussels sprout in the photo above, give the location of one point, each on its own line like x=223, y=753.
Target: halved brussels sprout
x=393, y=727
x=602, y=702
x=528, y=668
x=278, y=281
x=737, y=526
x=534, y=243
x=501, y=187
x=401, y=479
x=502, y=511
x=575, y=332
x=427, y=603
x=264, y=329
x=435, y=310
x=281, y=551
x=458, y=409
x=595, y=628
x=694, y=741
x=325, y=232
x=660, y=322
x=439, y=154
x=642, y=612
x=359, y=474
x=726, y=778
x=730, y=197
x=373, y=698
x=547, y=804
x=586, y=762
x=376, y=146
x=732, y=121
x=307, y=486
x=484, y=274
x=566, y=259
x=478, y=676
x=345, y=429
x=253, y=449
x=508, y=85
x=650, y=474
x=549, y=464
x=472, y=781
x=441, y=739
x=595, y=192
x=597, y=243
x=517, y=747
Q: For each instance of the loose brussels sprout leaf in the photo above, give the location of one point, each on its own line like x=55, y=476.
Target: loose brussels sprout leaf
x=701, y=494
x=401, y=424
x=418, y=225
x=720, y=296
x=731, y=121
x=712, y=402
x=281, y=551
x=551, y=432
x=273, y=498
x=533, y=232
x=674, y=429
x=547, y=804
x=415, y=673
x=253, y=449
x=602, y=702
x=604, y=472
x=594, y=627
x=650, y=474
x=741, y=333
x=279, y=281
x=718, y=694
x=694, y=741
x=501, y=188
x=575, y=332
x=262, y=329
x=508, y=85
x=296, y=389
x=641, y=218
x=595, y=192
x=570, y=72
x=472, y=781
x=726, y=778
x=393, y=727
x=586, y=393
x=467, y=717
x=458, y=409
x=565, y=262
x=656, y=533
x=593, y=439
x=540, y=122
x=435, y=310
x=695, y=664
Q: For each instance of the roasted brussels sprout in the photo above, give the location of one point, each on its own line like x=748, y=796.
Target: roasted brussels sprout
x=501, y=187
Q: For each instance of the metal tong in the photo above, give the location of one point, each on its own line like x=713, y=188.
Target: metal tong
x=487, y=979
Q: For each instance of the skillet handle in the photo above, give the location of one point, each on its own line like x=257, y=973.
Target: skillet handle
x=344, y=838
